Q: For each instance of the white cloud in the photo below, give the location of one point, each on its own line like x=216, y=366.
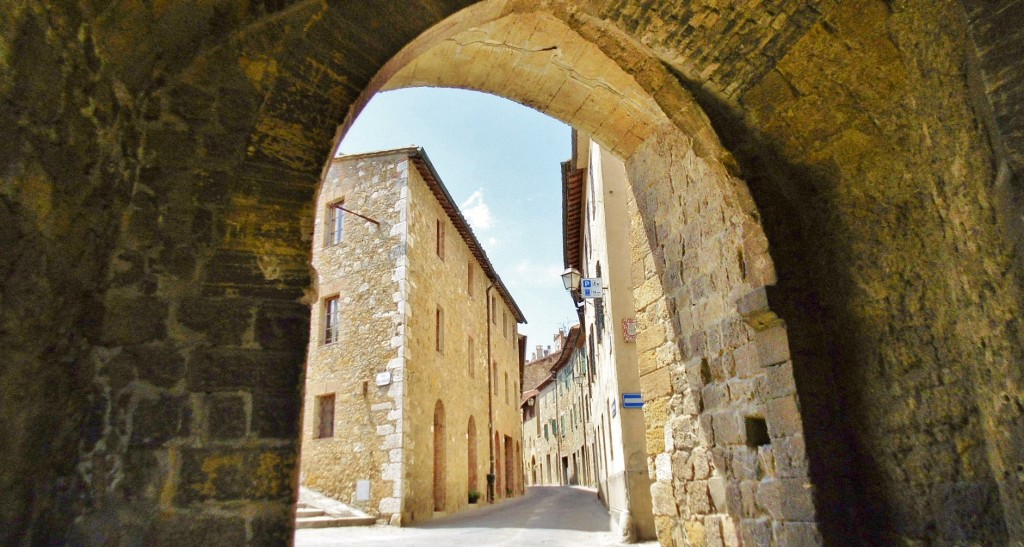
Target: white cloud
x=477, y=212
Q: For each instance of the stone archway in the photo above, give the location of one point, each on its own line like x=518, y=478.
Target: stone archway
x=162, y=159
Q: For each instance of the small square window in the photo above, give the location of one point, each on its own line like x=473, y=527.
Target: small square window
x=332, y=319
x=325, y=416
x=757, y=431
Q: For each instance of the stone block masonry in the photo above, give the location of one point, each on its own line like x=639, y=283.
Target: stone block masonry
x=361, y=264
x=410, y=315
x=715, y=420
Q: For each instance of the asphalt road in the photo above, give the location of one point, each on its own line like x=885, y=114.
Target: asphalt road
x=547, y=515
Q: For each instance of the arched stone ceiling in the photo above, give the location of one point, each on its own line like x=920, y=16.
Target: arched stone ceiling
x=538, y=61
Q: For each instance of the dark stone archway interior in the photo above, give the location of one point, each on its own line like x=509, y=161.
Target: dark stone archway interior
x=160, y=163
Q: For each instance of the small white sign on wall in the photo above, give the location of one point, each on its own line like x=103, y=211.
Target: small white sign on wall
x=362, y=490
x=384, y=378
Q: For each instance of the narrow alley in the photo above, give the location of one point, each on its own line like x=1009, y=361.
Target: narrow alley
x=547, y=515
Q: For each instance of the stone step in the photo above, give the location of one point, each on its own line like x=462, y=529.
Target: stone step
x=327, y=521
x=303, y=512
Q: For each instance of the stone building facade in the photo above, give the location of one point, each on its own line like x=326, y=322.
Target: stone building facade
x=556, y=410
x=414, y=359
x=596, y=227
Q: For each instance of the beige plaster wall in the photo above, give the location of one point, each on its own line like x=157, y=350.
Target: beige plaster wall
x=606, y=243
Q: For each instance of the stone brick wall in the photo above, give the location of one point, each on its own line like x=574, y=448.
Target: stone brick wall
x=712, y=359
x=906, y=261
x=366, y=272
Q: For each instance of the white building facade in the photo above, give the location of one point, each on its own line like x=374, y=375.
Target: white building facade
x=596, y=227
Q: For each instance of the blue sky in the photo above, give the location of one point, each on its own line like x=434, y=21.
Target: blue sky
x=500, y=161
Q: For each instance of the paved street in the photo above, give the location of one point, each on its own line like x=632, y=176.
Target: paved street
x=547, y=515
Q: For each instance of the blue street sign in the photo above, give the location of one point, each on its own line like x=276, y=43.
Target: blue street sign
x=632, y=400
x=591, y=287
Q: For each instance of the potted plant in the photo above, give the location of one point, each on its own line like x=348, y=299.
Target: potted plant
x=474, y=496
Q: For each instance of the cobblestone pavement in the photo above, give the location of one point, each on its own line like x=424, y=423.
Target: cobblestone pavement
x=547, y=515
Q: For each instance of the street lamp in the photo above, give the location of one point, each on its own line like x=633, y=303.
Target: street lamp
x=571, y=279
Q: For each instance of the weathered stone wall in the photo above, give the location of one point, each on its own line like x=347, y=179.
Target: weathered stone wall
x=903, y=253
x=707, y=370
x=366, y=272
x=156, y=206
x=449, y=375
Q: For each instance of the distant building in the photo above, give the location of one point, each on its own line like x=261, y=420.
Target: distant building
x=556, y=413
x=596, y=242
x=414, y=367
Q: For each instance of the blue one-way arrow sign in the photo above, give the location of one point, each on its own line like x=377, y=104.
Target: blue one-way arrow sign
x=632, y=400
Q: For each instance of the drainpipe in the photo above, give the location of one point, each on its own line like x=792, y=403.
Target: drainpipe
x=490, y=397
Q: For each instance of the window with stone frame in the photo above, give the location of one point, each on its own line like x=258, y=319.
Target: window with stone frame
x=332, y=319
x=494, y=311
x=471, y=356
x=324, y=413
x=494, y=376
x=335, y=223
x=504, y=323
x=469, y=278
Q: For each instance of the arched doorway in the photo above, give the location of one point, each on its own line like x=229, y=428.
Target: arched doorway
x=439, y=457
x=519, y=469
x=498, y=490
x=471, y=471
